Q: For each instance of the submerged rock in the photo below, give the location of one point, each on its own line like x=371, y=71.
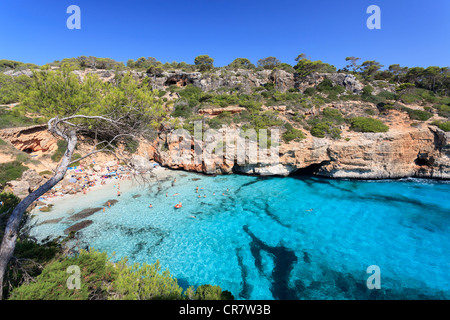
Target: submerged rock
x=111, y=202
x=78, y=226
x=84, y=213
x=52, y=221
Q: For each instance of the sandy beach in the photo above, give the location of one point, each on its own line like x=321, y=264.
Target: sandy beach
x=108, y=190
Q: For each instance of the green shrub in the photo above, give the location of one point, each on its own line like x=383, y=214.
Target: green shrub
x=76, y=156
x=101, y=279
x=362, y=124
x=333, y=115
x=182, y=109
x=12, y=87
x=62, y=146
x=22, y=157
x=131, y=146
x=251, y=105
x=320, y=129
x=445, y=126
x=367, y=90
x=217, y=122
x=443, y=110
x=11, y=171
x=309, y=91
x=418, y=114
x=14, y=118
x=292, y=134
x=386, y=95
x=209, y=292
x=326, y=86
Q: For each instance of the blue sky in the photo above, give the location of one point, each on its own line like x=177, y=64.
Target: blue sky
x=413, y=32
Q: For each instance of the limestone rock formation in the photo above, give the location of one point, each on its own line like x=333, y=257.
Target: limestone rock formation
x=30, y=139
x=410, y=152
x=348, y=81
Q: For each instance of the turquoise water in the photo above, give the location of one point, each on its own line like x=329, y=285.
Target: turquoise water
x=259, y=242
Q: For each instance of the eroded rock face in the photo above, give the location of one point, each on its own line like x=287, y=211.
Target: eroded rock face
x=244, y=80
x=30, y=139
x=414, y=152
x=29, y=182
x=348, y=81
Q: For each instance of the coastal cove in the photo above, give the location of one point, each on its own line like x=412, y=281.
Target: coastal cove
x=258, y=237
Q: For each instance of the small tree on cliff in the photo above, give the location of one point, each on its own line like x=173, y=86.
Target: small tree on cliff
x=108, y=114
x=204, y=62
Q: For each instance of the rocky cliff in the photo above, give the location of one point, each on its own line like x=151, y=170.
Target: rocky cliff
x=404, y=151
x=408, y=149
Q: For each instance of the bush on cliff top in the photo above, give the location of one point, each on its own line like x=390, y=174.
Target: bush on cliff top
x=445, y=126
x=362, y=124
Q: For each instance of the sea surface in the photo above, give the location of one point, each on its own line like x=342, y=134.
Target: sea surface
x=260, y=239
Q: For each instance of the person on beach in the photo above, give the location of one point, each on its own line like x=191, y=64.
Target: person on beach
x=118, y=193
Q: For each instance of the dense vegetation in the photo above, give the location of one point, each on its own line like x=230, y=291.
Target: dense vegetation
x=102, y=279
x=426, y=87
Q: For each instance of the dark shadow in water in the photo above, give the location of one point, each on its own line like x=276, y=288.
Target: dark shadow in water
x=247, y=184
x=246, y=288
x=156, y=239
x=183, y=283
x=284, y=260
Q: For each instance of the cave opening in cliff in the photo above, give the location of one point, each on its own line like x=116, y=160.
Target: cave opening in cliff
x=177, y=81
x=310, y=170
x=423, y=160
x=28, y=150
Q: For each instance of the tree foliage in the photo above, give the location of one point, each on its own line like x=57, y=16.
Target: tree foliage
x=241, y=63
x=101, y=279
x=204, y=62
x=269, y=63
